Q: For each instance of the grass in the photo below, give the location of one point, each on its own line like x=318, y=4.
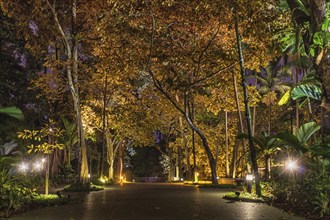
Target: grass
x=37, y=201
x=208, y=184
x=48, y=200
x=218, y=186
x=245, y=197
x=78, y=187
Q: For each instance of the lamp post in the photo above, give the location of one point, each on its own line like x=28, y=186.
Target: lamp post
x=47, y=175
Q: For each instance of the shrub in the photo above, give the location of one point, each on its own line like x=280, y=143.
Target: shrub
x=12, y=194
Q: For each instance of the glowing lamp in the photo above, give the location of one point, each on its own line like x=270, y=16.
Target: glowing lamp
x=37, y=166
x=23, y=167
x=291, y=165
x=249, y=177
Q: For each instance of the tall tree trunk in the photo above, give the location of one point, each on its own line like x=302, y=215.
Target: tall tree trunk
x=192, y=115
x=226, y=141
x=72, y=76
x=188, y=174
x=177, y=164
x=120, y=161
x=185, y=145
x=253, y=152
x=240, y=119
x=112, y=149
x=254, y=108
x=207, y=149
x=234, y=160
x=269, y=118
x=217, y=152
x=104, y=120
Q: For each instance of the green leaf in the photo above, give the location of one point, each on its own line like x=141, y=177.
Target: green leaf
x=285, y=98
x=306, y=90
x=325, y=24
x=292, y=141
x=306, y=131
x=13, y=112
x=302, y=7
x=317, y=39
x=312, y=51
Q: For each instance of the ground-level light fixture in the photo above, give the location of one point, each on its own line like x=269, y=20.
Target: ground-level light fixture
x=37, y=166
x=291, y=164
x=249, y=178
x=23, y=167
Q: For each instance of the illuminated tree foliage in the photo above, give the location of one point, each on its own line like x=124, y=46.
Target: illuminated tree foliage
x=128, y=71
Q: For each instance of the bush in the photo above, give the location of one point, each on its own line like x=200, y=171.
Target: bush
x=294, y=197
x=12, y=194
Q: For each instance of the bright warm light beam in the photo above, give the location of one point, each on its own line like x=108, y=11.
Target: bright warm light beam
x=23, y=167
x=37, y=166
x=291, y=165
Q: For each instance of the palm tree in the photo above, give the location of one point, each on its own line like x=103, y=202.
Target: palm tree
x=271, y=83
x=299, y=139
x=267, y=145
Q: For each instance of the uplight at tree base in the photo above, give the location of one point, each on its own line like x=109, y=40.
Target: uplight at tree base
x=291, y=165
x=249, y=177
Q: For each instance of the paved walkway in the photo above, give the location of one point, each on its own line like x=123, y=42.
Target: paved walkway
x=156, y=201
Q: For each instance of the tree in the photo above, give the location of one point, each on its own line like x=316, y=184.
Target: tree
x=51, y=18
x=271, y=83
x=268, y=145
x=315, y=36
x=247, y=110
x=44, y=140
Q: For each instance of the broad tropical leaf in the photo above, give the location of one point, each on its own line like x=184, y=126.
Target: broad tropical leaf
x=8, y=148
x=12, y=111
x=306, y=131
x=306, y=90
x=292, y=141
x=285, y=98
